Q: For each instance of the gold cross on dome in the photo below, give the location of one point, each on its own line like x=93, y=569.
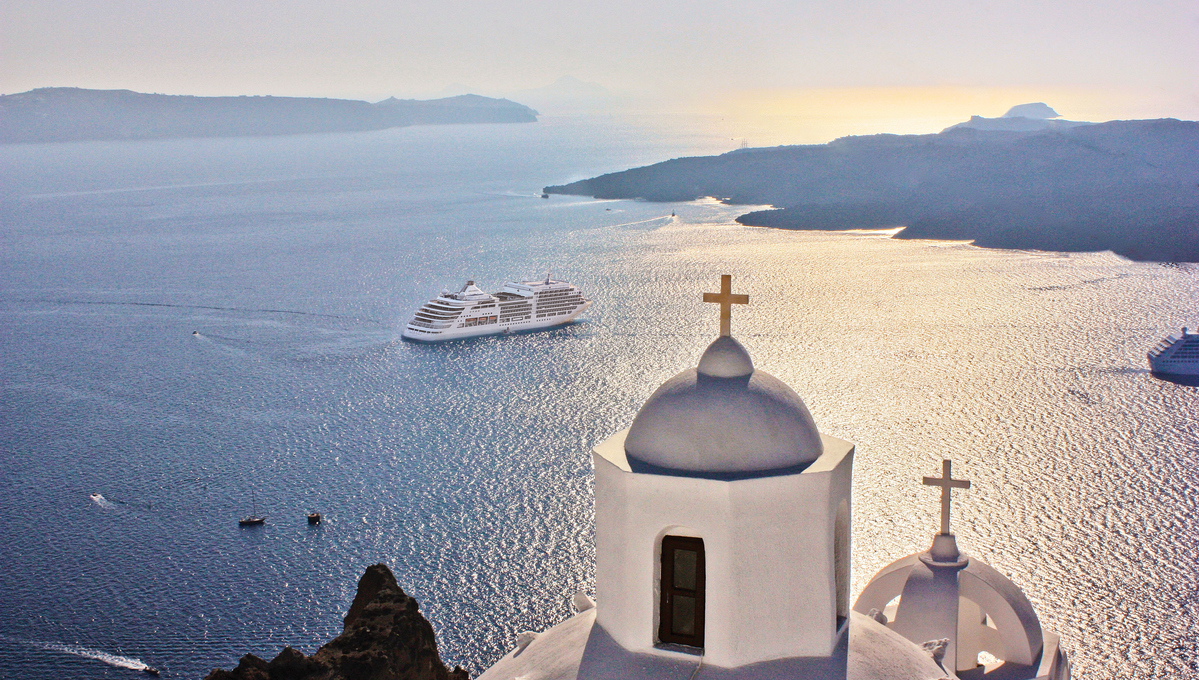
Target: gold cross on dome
x=946, y=482
x=726, y=299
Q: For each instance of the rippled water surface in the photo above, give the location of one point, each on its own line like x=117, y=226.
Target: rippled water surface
x=130, y=445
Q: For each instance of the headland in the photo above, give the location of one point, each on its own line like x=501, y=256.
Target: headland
x=1131, y=187
x=68, y=114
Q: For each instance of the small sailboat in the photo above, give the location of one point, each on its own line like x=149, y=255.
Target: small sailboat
x=254, y=519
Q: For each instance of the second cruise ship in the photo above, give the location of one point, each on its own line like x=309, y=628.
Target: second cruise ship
x=1177, y=355
x=520, y=306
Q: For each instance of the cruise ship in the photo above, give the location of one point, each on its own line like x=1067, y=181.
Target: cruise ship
x=1177, y=355
x=520, y=306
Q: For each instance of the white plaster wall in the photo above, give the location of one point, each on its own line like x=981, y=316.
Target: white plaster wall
x=633, y=512
x=771, y=589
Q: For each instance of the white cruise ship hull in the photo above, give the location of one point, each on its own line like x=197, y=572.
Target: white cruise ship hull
x=1176, y=357
x=422, y=335
x=520, y=307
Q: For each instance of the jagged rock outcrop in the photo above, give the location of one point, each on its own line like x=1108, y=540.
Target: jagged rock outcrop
x=384, y=638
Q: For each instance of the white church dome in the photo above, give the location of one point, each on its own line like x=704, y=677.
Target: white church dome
x=1012, y=632
x=723, y=419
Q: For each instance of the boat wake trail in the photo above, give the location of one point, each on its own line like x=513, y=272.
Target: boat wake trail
x=94, y=654
x=102, y=501
x=163, y=187
x=666, y=218
x=251, y=310
x=1088, y=282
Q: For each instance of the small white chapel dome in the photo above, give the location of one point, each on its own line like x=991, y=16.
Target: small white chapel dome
x=723, y=419
x=725, y=358
x=1015, y=634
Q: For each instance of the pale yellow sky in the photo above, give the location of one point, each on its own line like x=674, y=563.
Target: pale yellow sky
x=771, y=117
x=861, y=60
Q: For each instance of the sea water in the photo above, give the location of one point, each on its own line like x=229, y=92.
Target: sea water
x=190, y=326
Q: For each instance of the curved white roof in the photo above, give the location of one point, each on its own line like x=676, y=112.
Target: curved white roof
x=1014, y=633
x=723, y=419
x=875, y=653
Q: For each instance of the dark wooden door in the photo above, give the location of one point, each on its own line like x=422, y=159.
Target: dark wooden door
x=681, y=610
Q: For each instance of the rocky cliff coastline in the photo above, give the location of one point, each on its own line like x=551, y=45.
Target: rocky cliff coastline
x=1131, y=187
x=384, y=638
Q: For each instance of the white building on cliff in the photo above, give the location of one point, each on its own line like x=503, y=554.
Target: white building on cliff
x=723, y=552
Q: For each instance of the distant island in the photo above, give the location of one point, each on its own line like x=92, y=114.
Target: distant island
x=67, y=114
x=1022, y=181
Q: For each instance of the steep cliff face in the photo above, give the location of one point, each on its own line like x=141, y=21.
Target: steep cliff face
x=384, y=638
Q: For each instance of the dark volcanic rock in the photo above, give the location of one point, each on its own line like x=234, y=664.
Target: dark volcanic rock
x=249, y=667
x=377, y=578
x=385, y=638
x=1131, y=187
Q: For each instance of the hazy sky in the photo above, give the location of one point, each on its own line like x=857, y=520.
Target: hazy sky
x=1138, y=58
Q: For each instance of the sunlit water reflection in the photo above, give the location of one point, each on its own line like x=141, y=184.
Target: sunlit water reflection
x=465, y=466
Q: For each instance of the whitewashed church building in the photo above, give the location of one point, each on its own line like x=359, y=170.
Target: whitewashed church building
x=723, y=552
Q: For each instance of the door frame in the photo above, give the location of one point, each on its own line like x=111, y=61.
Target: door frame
x=669, y=591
